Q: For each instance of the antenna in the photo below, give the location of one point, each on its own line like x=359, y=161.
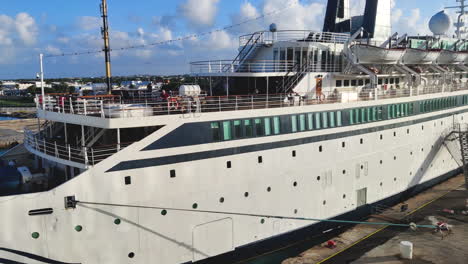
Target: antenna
x=463, y=10
x=105, y=36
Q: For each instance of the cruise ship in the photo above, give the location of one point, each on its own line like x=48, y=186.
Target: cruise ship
x=300, y=129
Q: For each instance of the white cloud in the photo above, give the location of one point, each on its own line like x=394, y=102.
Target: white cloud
x=26, y=28
x=52, y=50
x=199, y=13
x=87, y=23
x=411, y=23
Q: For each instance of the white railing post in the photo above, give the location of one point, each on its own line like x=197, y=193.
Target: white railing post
x=69, y=152
x=236, y=104
x=84, y=107
x=56, y=150
x=85, y=152
x=252, y=101
x=71, y=106
x=92, y=156
x=102, y=109
x=209, y=66
x=45, y=150
x=219, y=103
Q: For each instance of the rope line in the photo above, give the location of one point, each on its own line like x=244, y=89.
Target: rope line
x=176, y=39
x=258, y=215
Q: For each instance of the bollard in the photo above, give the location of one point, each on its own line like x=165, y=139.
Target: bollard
x=406, y=250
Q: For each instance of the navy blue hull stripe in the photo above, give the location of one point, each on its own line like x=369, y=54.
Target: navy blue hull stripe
x=152, y=162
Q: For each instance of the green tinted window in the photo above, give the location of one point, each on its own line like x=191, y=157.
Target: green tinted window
x=410, y=109
x=237, y=129
x=248, y=128
x=267, y=125
x=339, y=121
x=317, y=121
x=363, y=115
x=351, y=117
x=325, y=120
x=310, y=121
x=357, y=115
x=258, y=127
x=332, y=119
x=294, y=123
x=227, y=133
x=216, y=131
x=302, y=123
x=276, y=125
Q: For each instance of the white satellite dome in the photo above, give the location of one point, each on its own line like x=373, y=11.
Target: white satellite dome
x=440, y=23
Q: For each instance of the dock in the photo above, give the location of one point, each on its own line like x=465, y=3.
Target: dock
x=366, y=243
x=12, y=131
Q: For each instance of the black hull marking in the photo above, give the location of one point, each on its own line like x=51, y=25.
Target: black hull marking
x=32, y=256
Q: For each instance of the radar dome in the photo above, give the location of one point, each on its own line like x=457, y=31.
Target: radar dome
x=440, y=23
x=273, y=27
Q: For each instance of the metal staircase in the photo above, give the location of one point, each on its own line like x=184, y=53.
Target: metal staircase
x=463, y=137
x=245, y=53
x=293, y=77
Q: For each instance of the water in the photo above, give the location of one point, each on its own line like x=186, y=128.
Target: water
x=5, y=118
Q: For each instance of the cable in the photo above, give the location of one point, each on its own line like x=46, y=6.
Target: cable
x=176, y=39
x=258, y=215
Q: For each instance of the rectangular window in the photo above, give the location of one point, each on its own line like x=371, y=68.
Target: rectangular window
x=339, y=122
x=317, y=121
x=380, y=113
x=325, y=120
x=227, y=133
x=216, y=131
x=310, y=121
x=363, y=115
x=267, y=125
x=258, y=127
x=248, y=128
x=302, y=123
x=389, y=112
x=374, y=113
x=276, y=125
x=346, y=83
x=339, y=83
x=380, y=81
x=357, y=115
x=353, y=82
x=332, y=119
x=237, y=129
x=369, y=114
x=361, y=82
x=294, y=123
x=398, y=110
x=351, y=117
x=410, y=109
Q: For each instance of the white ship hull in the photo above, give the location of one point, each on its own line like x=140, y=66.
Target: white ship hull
x=375, y=55
x=320, y=181
x=417, y=56
x=451, y=57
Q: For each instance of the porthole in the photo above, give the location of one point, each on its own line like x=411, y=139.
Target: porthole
x=173, y=174
x=246, y=194
x=362, y=141
x=164, y=212
x=394, y=134
x=362, y=167
x=411, y=173
x=295, y=211
x=441, y=123
x=318, y=178
x=394, y=179
x=324, y=202
x=411, y=153
x=381, y=184
x=229, y=164
x=381, y=161
x=221, y=200
x=195, y=206
x=407, y=131
x=262, y=221
x=422, y=150
x=344, y=171
x=117, y=221
x=131, y=255
x=35, y=235
x=343, y=144
x=320, y=149
x=394, y=158
x=260, y=159
x=269, y=189
x=344, y=196
x=295, y=184
x=128, y=180
x=294, y=153
x=381, y=137
x=78, y=228
x=422, y=127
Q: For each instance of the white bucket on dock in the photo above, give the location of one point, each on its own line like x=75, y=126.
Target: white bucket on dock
x=406, y=250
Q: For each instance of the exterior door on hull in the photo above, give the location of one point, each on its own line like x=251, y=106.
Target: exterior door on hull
x=361, y=197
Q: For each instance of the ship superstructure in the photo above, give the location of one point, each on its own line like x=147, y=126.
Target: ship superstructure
x=306, y=125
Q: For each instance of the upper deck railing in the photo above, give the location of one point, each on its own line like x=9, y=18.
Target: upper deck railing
x=255, y=66
x=118, y=107
x=267, y=37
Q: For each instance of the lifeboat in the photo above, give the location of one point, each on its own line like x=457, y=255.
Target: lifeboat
x=420, y=56
x=451, y=57
x=367, y=54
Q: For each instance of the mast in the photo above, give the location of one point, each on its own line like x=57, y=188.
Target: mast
x=462, y=11
x=105, y=36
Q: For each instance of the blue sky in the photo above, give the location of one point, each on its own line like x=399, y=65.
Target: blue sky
x=29, y=27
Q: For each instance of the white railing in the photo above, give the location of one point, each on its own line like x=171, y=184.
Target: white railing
x=60, y=150
x=267, y=37
x=127, y=108
x=254, y=66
